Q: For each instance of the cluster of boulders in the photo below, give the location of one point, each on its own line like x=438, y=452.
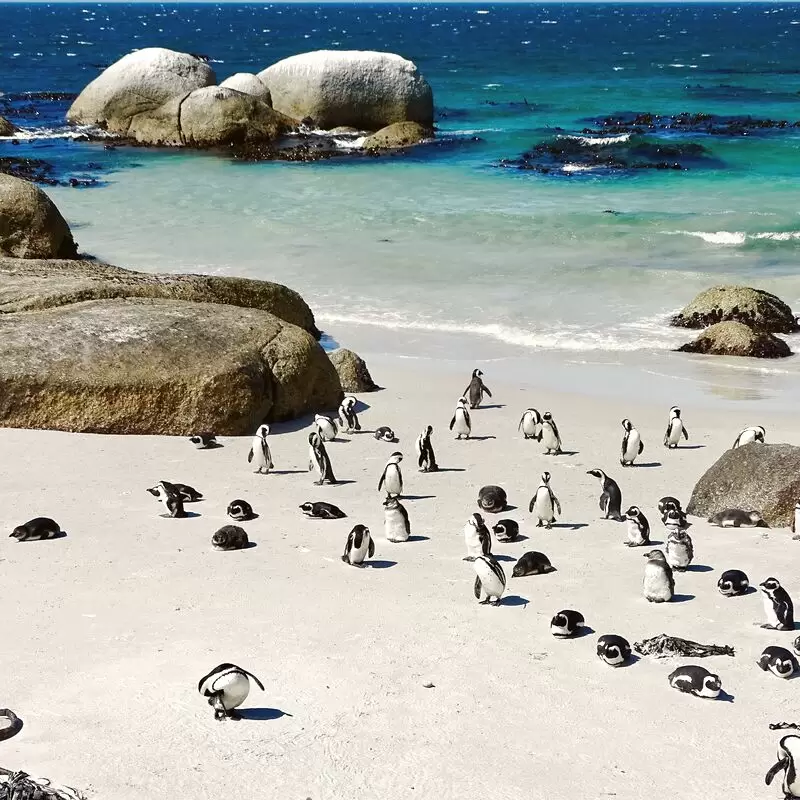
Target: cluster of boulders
x=160, y=97
x=738, y=321
x=86, y=346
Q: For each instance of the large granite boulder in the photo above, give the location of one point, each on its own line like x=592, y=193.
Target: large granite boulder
x=756, y=477
x=352, y=370
x=396, y=135
x=362, y=89
x=6, y=128
x=138, y=82
x=760, y=310
x=158, y=367
x=248, y=83
x=737, y=339
x=30, y=224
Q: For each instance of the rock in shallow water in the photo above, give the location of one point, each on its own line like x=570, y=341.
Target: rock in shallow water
x=737, y=339
x=6, y=128
x=396, y=135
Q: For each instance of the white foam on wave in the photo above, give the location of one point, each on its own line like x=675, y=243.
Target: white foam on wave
x=578, y=167
x=618, y=69
x=74, y=132
x=733, y=238
x=600, y=141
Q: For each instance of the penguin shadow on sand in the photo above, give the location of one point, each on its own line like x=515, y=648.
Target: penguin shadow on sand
x=488, y=406
x=633, y=659
x=262, y=714
x=288, y=472
x=418, y=497
x=418, y=539
x=682, y=598
x=481, y=438
x=513, y=600
x=699, y=568
x=582, y=632
x=725, y=697
x=186, y=515
x=379, y=564
x=499, y=557
x=570, y=526
x=646, y=465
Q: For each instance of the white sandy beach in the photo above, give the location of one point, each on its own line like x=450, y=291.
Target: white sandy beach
x=106, y=632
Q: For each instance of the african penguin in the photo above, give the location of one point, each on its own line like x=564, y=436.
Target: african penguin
x=638, y=527
x=796, y=518
x=680, y=550
x=613, y=650
x=318, y=460
x=385, y=434
x=531, y=424
x=697, y=681
x=736, y=518
x=755, y=433
x=733, y=582
x=326, y=427
x=544, y=504
x=359, y=546
x=532, y=563
x=226, y=688
x=230, y=537
x=610, y=497
x=658, y=585
x=507, y=530
x=779, y=661
x=566, y=623
x=666, y=504
x=490, y=580
x=461, y=424
x=188, y=493
x=549, y=435
x=477, y=538
x=789, y=764
x=492, y=499
x=476, y=390
x=391, y=480
x=170, y=497
x=36, y=529
x=632, y=444
x=675, y=429
x=322, y=510
x=778, y=606
x=796, y=645
x=260, y=456
x=396, y=525
x=427, y=458
x=240, y=510
x=203, y=441
x=348, y=419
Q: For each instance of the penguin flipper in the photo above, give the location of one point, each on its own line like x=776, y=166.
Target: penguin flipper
x=477, y=588
x=519, y=427
x=348, y=546
x=250, y=456
x=531, y=504
x=775, y=769
x=486, y=390
x=250, y=675
x=452, y=422
x=686, y=434
x=381, y=480
x=624, y=444
x=371, y=550
x=556, y=503
x=641, y=448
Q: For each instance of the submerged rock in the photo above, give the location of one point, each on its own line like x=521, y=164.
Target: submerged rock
x=29, y=169
x=764, y=477
x=760, y=310
x=352, y=370
x=396, y=135
x=710, y=124
x=737, y=339
x=6, y=128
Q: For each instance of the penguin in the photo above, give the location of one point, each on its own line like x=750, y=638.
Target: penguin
x=240, y=510
x=477, y=538
x=226, y=688
x=461, y=424
x=789, y=764
x=391, y=479
x=736, y=518
x=358, y=547
x=675, y=429
x=507, y=530
x=476, y=390
x=426, y=457
x=492, y=499
x=318, y=460
x=796, y=518
x=756, y=433
x=230, y=537
x=170, y=497
x=326, y=427
x=632, y=444
x=638, y=527
x=531, y=424
x=36, y=529
x=386, y=434
x=188, y=493
x=549, y=435
x=489, y=579
x=666, y=504
x=778, y=606
x=396, y=525
x=544, y=504
x=566, y=623
x=203, y=441
x=322, y=511
x=659, y=584
x=680, y=550
x=796, y=645
x=13, y=724
x=779, y=661
x=611, y=496
x=733, y=582
x=613, y=650
x=674, y=520
x=532, y=563
x=348, y=419
x=697, y=681
x=260, y=456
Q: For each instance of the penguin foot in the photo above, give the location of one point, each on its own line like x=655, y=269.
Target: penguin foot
x=468, y=558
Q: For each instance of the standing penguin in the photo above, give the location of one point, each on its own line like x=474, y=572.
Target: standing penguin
x=476, y=390
x=796, y=518
x=632, y=444
x=531, y=424
x=638, y=527
x=489, y=579
x=659, y=585
x=544, y=503
x=326, y=427
x=789, y=764
x=427, y=458
x=359, y=546
x=461, y=424
x=675, y=429
x=755, y=433
x=260, y=456
x=549, y=435
x=396, y=525
x=778, y=606
x=348, y=419
x=318, y=460
x=680, y=550
x=170, y=497
x=477, y=538
x=611, y=496
x=391, y=479
x=226, y=688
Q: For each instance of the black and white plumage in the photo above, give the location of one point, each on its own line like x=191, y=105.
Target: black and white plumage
x=733, y=582
x=549, y=435
x=396, y=524
x=426, y=458
x=736, y=518
x=391, y=480
x=260, y=455
x=385, y=434
x=796, y=518
x=490, y=580
x=613, y=650
x=530, y=424
x=632, y=444
x=476, y=390
x=226, y=688
x=566, y=623
x=532, y=563
x=755, y=433
x=36, y=529
x=778, y=606
x=477, y=538
x=675, y=429
x=507, y=530
x=779, y=661
x=796, y=645
x=638, y=527
x=659, y=584
x=492, y=498
x=326, y=427
x=461, y=424
x=359, y=546
x=696, y=680
x=789, y=764
x=544, y=504
x=240, y=510
x=318, y=460
x=610, y=496
x=348, y=419
x=666, y=504
x=230, y=537
x=188, y=493
x=680, y=550
x=203, y=441
x=170, y=497
x=321, y=510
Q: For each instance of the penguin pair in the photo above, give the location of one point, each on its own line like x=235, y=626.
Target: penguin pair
x=544, y=504
x=675, y=429
x=610, y=496
x=632, y=444
x=168, y=494
x=319, y=461
x=348, y=419
x=260, y=455
x=226, y=688
x=474, y=393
